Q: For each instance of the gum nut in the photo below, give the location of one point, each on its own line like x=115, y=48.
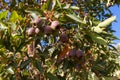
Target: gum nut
x=31, y=31
x=79, y=53
x=72, y=52
x=37, y=30
x=63, y=38
x=55, y=24
x=47, y=30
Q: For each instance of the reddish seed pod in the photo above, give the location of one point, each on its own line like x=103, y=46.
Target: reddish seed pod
x=64, y=38
x=47, y=30
x=79, y=53
x=31, y=31
x=55, y=24
x=72, y=53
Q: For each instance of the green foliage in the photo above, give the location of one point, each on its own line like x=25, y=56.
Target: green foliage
x=3, y=14
x=74, y=17
x=76, y=47
x=14, y=17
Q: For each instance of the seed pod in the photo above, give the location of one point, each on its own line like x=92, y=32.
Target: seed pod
x=31, y=31
x=47, y=30
x=63, y=38
x=72, y=53
x=55, y=25
x=79, y=53
x=37, y=30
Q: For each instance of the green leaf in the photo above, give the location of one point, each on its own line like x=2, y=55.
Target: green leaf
x=98, y=67
x=109, y=78
x=14, y=17
x=38, y=66
x=74, y=17
x=74, y=7
x=3, y=14
x=59, y=3
x=34, y=14
x=2, y=26
x=25, y=63
x=95, y=37
x=52, y=4
x=97, y=29
x=49, y=5
x=1, y=43
x=51, y=76
x=92, y=76
x=67, y=6
x=12, y=25
x=107, y=21
x=10, y=70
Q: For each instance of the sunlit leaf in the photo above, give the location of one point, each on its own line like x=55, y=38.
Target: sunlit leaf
x=58, y=1
x=97, y=29
x=33, y=14
x=14, y=17
x=74, y=7
x=95, y=37
x=74, y=17
x=12, y=25
x=52, y=4
x=3, y=14
x=49, y=5
x=67, y=6
x=2, y=26
x=10, y=70
x=107, y=21
x=92, y=76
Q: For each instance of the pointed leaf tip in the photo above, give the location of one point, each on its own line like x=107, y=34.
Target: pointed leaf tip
x=107, y=21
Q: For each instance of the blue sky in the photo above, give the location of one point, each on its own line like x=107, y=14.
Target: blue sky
x=116, y=25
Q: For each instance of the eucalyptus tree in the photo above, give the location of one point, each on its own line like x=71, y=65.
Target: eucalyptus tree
x=57, y=40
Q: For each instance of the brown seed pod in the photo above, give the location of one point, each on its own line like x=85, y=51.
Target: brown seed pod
x=64, y=38
x=47, y=30
x=79, y=53
x=72, y=53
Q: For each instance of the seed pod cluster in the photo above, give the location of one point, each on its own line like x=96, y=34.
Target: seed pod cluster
x=32, y=31
x=52, y=27
x=76, y=53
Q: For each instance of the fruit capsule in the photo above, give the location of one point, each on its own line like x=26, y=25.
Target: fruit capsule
x=37, y=30
x=55, y=25
x=79, y=53
x=47, y=30
x=72, y=53
x=31, y=31
x=63, y=38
